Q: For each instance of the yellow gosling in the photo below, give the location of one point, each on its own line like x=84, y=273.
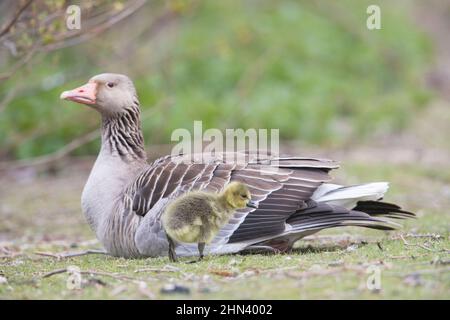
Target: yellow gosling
x=197, y=217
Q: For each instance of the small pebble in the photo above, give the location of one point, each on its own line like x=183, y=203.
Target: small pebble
x=175, y=288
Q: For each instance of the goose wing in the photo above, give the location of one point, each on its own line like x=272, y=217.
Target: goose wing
x=280, y=185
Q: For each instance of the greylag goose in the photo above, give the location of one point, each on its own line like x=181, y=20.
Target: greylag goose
x=125, y=196
x=196, y=217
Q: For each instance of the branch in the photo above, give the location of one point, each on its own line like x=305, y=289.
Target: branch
x=9, y=25
x=98, y=273
x=67, y=40
x=89, y=34
x=57, y=155
x=60, y=256
x=67, y=149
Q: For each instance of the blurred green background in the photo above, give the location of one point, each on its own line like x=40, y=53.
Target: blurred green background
x=311, y=69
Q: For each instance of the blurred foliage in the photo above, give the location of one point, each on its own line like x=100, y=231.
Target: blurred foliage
x=311, y=69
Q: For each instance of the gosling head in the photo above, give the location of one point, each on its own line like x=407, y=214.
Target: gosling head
x=238, y=196
x=108, y=93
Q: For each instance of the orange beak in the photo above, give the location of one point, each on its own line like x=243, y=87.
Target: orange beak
x=86, y=94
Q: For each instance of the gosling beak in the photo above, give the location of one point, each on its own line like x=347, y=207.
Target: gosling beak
x=86, y=94
x=252, y=204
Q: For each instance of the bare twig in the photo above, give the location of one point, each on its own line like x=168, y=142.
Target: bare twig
x=60, y=256
x=93, y=32
x=16, y=16
x=82, y=253
x=92, y=272
x=406, y=243
x=142, y=286
x=67, y=149
x=52, y=273
x=65, y=255
x=75, y=144
x=66, y=39
x=426, y=235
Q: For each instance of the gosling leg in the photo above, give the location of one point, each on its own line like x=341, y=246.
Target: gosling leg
x=172, y=254
x=201, y=247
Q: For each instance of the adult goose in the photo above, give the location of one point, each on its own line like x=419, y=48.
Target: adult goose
x=125, y=196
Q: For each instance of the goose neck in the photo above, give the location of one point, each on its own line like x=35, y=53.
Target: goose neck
x=122, y=135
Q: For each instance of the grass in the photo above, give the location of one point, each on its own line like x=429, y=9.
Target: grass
x=328, y=272
x=223, y=68
x=331, y=265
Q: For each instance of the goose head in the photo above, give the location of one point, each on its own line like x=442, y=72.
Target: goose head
x=108, y=93
x=238, y=196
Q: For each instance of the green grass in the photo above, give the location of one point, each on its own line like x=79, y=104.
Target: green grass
x=309, y=70
x=45, y=217
x=328, y=272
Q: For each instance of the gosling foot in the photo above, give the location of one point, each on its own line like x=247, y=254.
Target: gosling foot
x=201, y=247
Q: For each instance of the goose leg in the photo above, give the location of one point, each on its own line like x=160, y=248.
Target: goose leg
x=172, y=254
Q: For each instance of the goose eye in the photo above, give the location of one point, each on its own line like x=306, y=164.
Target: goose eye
x=244, y=196
x=110, y=84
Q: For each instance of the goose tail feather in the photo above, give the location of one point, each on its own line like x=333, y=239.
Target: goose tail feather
x=349, y=196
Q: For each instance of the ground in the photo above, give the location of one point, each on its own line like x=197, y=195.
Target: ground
x=41, y=218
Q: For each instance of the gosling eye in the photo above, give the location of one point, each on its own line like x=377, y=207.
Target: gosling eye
x=110, y=84
x=244, y=196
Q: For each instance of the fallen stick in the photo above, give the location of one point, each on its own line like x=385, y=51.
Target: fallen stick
x=52, y=273
x=83, y=253
x=60, y=256
x=90, y=272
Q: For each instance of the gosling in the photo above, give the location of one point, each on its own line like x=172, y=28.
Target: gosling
x=198, y=216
